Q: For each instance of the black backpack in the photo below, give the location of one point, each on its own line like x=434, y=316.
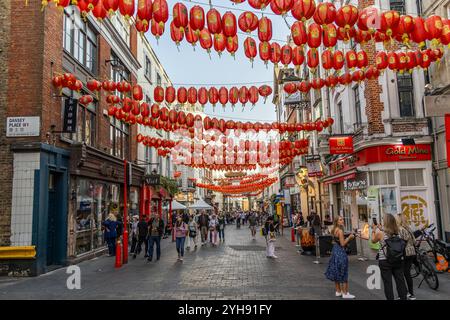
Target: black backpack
x=394, y=249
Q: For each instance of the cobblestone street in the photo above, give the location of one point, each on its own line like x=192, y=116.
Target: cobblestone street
x=237, y=269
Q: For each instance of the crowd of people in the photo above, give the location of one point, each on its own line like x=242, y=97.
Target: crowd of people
x=192, y=230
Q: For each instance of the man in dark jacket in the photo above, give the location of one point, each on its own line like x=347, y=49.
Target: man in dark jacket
x=142, y=233
x=203, y=223
x=155, y=232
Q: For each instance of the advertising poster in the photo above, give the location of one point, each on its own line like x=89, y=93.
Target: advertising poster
x=373, y=208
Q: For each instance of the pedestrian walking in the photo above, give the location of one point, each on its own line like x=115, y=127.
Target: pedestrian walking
x=269, y=233
x=134, y=232
x=410, y=252
x=142, y=236
x=192, y=226
x=203, y=222
x=221, y=228
x=316, y=223
x=110, y=225
x=155, y=232
x=337, y=270
x=390, y=256
x=252, y=225
x=213, y=225
x=181, y=230
x=238, y=220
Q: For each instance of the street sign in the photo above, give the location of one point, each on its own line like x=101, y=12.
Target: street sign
x=70, y=115
x=341, y=145
x=437, y=106
x=22, y=126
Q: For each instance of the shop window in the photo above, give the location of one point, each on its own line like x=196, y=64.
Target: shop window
x=398, y=5
x=80, y=40
x=388, y=201
x=381, y=178
x=411, y=178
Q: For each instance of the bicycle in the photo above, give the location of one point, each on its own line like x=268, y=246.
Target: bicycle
x=438, y=247
x=422, y=264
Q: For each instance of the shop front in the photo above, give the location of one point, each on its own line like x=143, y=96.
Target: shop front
x=97, y=189
x=380, y=180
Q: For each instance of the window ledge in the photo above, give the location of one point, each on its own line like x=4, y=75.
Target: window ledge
x=406, y=120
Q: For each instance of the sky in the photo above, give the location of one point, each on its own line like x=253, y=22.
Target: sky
x=187, y=66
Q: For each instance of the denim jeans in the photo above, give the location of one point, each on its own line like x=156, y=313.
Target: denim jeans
x=180, y=246
x=222, y=234
x=151, y=242
x=111, y=246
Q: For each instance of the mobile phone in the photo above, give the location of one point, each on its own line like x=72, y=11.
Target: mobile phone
x=374, y=220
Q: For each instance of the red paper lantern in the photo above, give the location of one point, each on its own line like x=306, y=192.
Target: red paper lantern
x=298, y=56
x=345, y=79
x=313, y=59
x=286, y=55
x=182, y=95
x=243, y=95
x=250, y=48
x=111, y=6
x=160, y=12
x=264, y=51
x=202, y=96
x=346, y=16
x=259, y=4
x=181, y=118
x=158, y=94
x=382, y=60
x=253, y=95
x=351, y=59
x=136, y=107
x=248, y=22
x=145, y=11
x=232, y=45
x=154, y=111
x=265, y=29
x=419, y=34
x=402, y=61
x=214, y=21
x=229, y=25
x=127, y=104
x=213, y=96
x=327, y=60
x=372, y=73
x=83, y=7
x=223, y=96
x=298, y=33
x=157, y=29
x=404, y=28
x=92, y=84
x=141, y=27
x=425, y=60
x=331, y=81
x=138, y=93
x=314, y=35
x=191, y=36
x=180, y=16
x=206, y=41
x=145, y=109
x=358, y=76
x=126, y=8
x=164, y=114
x=330, y=36
x=290, y=88
x=190, y=120
x=393, y=61
x=434, y=27
x=445, y=37
x=112, y=99
x=275, y=53
x=170, y=95
x=220, y=42
x=411, y=60
x=303, y=10
x=362, y=60
x=389, y=21
x=109, y=86
x=282, y=6
x=85, y=100
x=197, y=18
x=325, y=13
x=265, y=91
x=317, y=83
x=338, y=60
x=304, y=87
x=176, y=34
x=192, y=95
x=98, y=11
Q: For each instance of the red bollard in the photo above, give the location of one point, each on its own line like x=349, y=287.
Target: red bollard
x=118, y=255
x=125, y=247
x=293, y=235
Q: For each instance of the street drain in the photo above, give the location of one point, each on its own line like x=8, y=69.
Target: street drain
x=250, y=248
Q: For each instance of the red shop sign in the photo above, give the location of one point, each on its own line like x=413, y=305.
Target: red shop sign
x=341, y=145
x=377, y=154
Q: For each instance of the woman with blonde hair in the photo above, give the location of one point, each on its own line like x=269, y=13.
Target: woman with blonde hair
x=337, y=270
x=110, y=225
x=410, y=252
x=390, y=265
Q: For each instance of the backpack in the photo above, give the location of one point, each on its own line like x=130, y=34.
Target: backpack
x=394, y=249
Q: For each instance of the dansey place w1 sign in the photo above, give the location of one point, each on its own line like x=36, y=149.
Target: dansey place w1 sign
x=22, y=126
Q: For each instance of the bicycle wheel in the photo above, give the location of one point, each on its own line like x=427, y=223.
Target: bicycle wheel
x=430, y=274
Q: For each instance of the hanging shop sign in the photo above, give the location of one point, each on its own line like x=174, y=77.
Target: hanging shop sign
x=341, y=145
x=359, y=183
x=22, y=126
x=379, y=154
x=70, y=115
x=314, y=168
x=153, y=179
x=447, y=137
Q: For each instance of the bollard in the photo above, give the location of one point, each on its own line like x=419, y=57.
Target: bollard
x=293, y=234
x=118, y=254
x=125, y=247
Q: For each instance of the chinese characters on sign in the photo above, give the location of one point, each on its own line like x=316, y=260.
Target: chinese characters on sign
x=414, y=207
x=70, y=115
x=341, y=145
x=22, y=126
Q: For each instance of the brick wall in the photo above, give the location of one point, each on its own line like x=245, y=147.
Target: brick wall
x=400, y=128
x=373, y=90
x=5, y=157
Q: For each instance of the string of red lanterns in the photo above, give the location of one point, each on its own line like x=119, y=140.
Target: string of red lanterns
x=239, y=189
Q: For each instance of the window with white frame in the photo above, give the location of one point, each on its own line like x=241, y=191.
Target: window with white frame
x=411, y=178
x=148, y=69
x=382, y=178
x=357, y=107
x=122, y=27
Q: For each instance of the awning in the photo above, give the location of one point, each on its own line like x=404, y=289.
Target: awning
x=340, y=177
x=176, y=206
x=200, y=204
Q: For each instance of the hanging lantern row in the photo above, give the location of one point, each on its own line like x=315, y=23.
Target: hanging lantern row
x=331, y=24
x=212, y=95
x=230, y=179
x=241, y=188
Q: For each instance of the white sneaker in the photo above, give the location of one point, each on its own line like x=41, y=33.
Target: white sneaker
x=275, y=257
x=348, y=296
x=338, y=294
